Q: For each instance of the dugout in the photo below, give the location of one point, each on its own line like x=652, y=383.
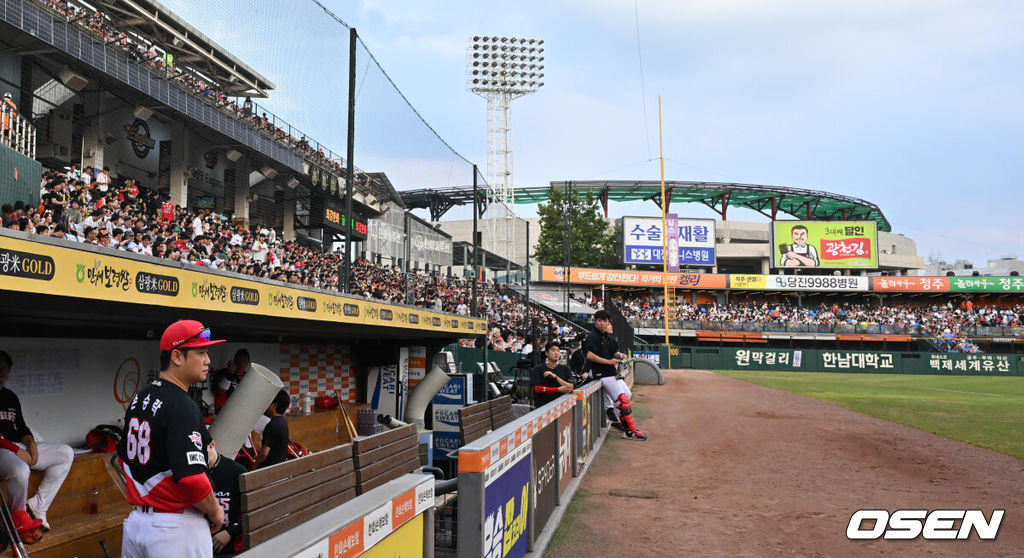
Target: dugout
x=84, y=324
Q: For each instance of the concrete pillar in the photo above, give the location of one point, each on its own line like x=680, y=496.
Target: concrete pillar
x=289, y=219
x=242, y=190
x=179, y=152
x=92, y=139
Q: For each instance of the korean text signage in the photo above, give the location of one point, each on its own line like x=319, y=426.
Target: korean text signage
x=825, y=244
x=545, y=475
x=991, y=365
x=507, y=505
x=565, y=455
x=987, y=284
x=632, y=278
x=43, y=268
x=642, y=241
x=800, y=282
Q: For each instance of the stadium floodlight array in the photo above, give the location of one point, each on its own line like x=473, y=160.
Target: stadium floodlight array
x=502, y=69
x=505, y=65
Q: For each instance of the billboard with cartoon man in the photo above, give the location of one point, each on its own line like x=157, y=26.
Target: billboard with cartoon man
x=825, y=244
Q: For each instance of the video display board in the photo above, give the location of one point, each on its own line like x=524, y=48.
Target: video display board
x=825, y=244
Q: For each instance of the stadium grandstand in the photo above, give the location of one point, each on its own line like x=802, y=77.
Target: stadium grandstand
x=143, y=179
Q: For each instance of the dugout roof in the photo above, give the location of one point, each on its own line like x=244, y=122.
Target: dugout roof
x=770, y=201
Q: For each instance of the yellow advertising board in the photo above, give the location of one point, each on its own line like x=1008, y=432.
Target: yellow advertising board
x=43, y=268
x=406, y=541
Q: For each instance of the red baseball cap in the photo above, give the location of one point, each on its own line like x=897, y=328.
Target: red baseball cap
x=186, y=334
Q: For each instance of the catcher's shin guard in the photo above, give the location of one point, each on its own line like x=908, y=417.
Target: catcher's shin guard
x=626, y=416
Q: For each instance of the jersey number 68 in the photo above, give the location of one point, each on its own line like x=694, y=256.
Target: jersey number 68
x=137, y=443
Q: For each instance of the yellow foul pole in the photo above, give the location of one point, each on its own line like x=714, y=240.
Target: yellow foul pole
x=664, y=229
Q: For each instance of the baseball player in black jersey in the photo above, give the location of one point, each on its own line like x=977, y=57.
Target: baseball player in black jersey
x=550, y=380
x=163, y=456
x=224, y=475
x=602, y=352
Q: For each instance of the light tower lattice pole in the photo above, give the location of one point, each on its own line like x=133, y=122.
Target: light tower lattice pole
x=502, y=69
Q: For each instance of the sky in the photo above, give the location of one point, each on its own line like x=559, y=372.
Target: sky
x=912, y=105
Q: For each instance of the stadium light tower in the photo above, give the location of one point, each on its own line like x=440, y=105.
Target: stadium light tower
x=502, y=69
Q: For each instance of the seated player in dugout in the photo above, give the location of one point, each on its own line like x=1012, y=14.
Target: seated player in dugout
x=274, y=446
x=224, y=473
x=602, y=352
x=550, y=379
x=24, y=453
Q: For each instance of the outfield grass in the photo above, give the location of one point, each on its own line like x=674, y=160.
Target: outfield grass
x=986, y=411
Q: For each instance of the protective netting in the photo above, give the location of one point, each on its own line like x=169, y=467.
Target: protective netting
x=303, y=49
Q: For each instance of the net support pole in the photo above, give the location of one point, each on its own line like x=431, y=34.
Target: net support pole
x=476, y=247
x=664, y=229
x=350, y=153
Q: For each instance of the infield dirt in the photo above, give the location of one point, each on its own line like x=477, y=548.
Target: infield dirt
x=737, y=469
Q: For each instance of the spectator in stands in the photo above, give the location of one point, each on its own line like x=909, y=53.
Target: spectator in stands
x=274, y=445
x=54, y=459
x=103, y=181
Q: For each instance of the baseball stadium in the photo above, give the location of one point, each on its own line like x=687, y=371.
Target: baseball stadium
x=259, y=306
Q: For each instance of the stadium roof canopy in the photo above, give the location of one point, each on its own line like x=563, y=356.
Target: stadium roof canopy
x=769, y=201
x=189, y=45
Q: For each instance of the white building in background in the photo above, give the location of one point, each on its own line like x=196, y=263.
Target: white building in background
x=1003, y=267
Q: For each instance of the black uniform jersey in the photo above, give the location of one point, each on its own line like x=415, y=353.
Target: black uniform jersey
x=163, y=449
x=275, y=436
x=12, y=420
x=225, y=487
x=604, y=346
x=537, y=378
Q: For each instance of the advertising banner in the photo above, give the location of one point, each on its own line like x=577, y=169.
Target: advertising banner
x=417, y=363
x=817, y=283
x=910, y=284
x=858, y=360
x=825, y=244
x=987, y=284
x=406, y=541
x=672, y=226
x=446, y=418
x=545, y=475
x=44, y=268
x=452, y=393
x=445, y=442
x=627, y=278
x=507, y=505
x=565, y=455
x=766, y=359
x=995, y=365
x=653, y=356
x=642, y=241
x=386, y=391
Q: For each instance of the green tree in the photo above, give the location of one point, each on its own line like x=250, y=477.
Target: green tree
x=592, y=239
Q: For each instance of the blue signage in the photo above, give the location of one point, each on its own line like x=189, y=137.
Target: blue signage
x=452, y=393
x=507, y=511
x=643, y=242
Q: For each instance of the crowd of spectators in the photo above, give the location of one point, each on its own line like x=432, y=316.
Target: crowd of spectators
x=142, y=49
x=946, y=324
x=96, y=208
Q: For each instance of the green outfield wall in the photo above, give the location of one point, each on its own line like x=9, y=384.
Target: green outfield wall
x=827, y=360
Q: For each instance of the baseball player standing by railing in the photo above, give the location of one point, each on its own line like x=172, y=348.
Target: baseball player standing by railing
x=163, y=455
x=602, y=352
